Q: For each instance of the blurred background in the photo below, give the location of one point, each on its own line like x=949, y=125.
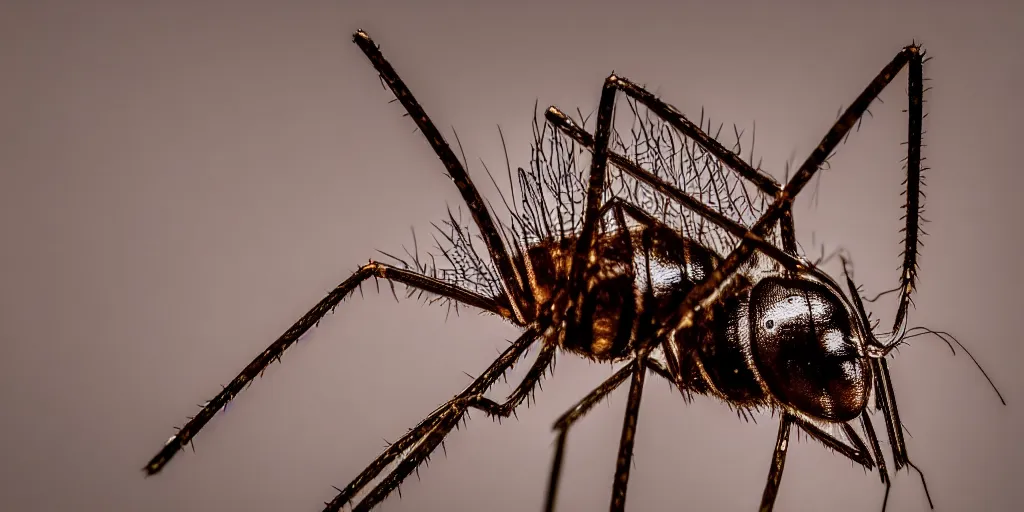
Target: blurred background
x=180, y=181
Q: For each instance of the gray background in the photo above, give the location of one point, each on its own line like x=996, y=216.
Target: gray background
x=182, y=180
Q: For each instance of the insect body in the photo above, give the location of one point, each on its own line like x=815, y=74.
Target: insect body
x=716, y=306
x=790, y=337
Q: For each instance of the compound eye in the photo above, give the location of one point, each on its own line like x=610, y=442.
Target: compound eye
x=804, y=348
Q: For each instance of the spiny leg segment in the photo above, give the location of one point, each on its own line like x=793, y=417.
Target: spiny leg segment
x=771, y=486
x=427, y=284
x=415, y=447
x=622, y=463
x=512, y=279
x=565, y=422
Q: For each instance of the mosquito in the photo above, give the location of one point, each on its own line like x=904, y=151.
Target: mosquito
x=623, y=264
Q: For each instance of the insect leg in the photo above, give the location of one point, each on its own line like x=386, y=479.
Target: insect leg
x=876, y=449
x=415, y=447
x=582, y=256
x=373, y=269
x=522, y=391
x=771, y=487
x=518, y=292
x=622, y=464
x=565, y=422
x=912, y=207
x=912, y=214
